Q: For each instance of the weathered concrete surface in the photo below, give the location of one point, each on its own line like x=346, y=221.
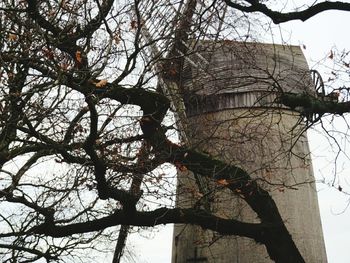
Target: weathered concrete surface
x=243, y=124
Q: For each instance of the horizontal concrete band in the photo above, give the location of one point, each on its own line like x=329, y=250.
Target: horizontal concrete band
x=198, y=104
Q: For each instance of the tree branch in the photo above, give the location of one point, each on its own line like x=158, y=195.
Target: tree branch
x=314, y=105
x=158, y=217
x=279, y=243
x=279, y=17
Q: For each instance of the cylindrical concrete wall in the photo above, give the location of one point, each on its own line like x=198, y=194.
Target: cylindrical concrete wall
x=234, y=116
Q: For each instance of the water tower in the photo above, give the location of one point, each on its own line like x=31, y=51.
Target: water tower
x=225, y=96
x=234, y=115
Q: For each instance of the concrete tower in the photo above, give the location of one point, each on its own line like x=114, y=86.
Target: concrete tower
x=233, y=114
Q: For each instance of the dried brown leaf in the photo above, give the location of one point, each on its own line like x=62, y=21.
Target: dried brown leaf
x=331, y=55
x=12, y=37
x=78, y=56
x=101, y=83
x=222, y=182
x=116, y=39
x=133, y=24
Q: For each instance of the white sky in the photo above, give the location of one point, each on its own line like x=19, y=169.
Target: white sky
x=319, y=34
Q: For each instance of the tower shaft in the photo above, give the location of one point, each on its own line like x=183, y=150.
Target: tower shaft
x=234, y=116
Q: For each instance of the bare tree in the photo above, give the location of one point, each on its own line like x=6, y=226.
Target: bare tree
x=86, y=131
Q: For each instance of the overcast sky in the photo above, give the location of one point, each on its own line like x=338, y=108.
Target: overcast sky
x=319, y=35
